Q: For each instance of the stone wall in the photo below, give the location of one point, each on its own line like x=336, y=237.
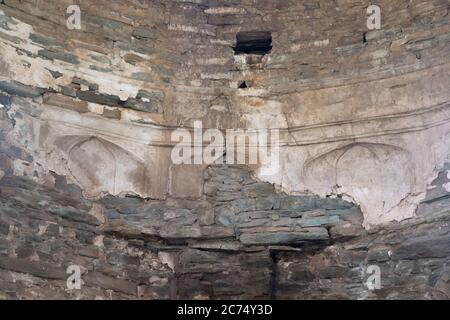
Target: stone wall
x=243, y=241
x=86, y=178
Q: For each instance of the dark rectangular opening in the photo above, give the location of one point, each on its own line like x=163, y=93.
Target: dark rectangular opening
x=253, y=42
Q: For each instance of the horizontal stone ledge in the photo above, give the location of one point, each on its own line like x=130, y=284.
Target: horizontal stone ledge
x=320, y=221
x=73, y=214
x=285, y=237
x=130, y=231
x=37, y=269
x=66, y=103
x=176, y=232
x=156, y=135
x=424, y=247
x=18, y=89
x=110, y=283
x=226, y=10
x=217, y=245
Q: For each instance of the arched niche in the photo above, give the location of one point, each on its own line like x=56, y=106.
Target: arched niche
x=376, y=176
x=100, y=166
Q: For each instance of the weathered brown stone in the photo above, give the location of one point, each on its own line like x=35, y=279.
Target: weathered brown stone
x=112, y=113
x=110, y=283
x=279, y=238
x=40, y=269
x=66, y=103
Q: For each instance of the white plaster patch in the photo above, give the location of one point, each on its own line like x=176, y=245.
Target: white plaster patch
x=167, y=259
x=263, y=114
x=31, y=73
x=211, y=61
x=240, y=59
x=22, y=168
x=123, y=96
x=378, y=54
x=221, y=42
x=42, y=229
x=98, y=241
x=191, y=29
x=95, y=108
x=219, y=108
x=225, y=10
x=216, y=76
x=446, y=186
x=322, y=43
x=18, y=29
x=195, y=83
x=309, y=44
x=134, y=116
x=252, y=92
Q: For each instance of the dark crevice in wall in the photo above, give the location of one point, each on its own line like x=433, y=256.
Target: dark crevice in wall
x=244, y=85
x=255, y=42
x=365, y=37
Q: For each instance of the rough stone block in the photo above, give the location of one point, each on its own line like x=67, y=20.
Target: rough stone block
x=285, y=238
x=66, y=103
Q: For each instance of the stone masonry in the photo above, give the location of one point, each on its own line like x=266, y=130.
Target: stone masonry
x=86, y=176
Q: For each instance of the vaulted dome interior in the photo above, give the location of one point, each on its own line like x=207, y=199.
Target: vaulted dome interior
x=224, y=149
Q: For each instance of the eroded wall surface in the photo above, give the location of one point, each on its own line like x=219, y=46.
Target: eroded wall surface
x=242, y=241
x=86, y=175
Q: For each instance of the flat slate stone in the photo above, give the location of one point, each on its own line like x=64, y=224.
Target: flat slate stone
x=5, y=100
x=110, y=283
x=285, y=238
x=17, y=89
x=430, y=246
x=66, y=103
x=37, y=269
x=62, y=56
x=94, y=97
x=319, y=221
